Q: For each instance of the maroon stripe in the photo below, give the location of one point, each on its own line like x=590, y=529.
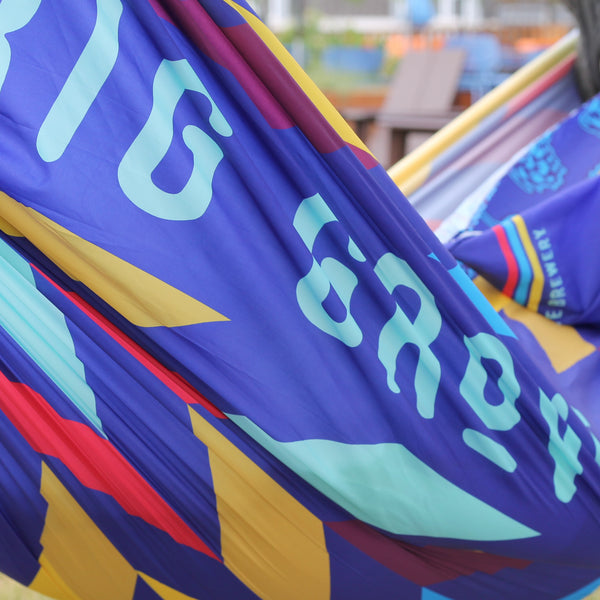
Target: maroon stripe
x=276, y=94
x=160, y=11
x=285, y=89
x=193, y=20
x=366, y=158
x=425, y=565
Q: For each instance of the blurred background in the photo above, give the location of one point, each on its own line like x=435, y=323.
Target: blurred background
x=363, y=39
x=353, y=49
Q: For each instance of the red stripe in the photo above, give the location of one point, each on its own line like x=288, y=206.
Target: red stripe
x=433, y=223
x=534, y=90
x=511, y=262
x=173, y=381
x=95, y=462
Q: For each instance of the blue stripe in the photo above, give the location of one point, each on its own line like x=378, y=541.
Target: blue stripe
x=481, y=302
x=427, y=594
x=525, y=271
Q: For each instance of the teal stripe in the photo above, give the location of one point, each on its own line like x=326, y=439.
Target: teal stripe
x=427, y=594
x=41, y=330
x=480, y=301
x=584, y=592
x=525, y=271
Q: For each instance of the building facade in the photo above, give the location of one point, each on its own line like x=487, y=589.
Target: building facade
x=394, y=15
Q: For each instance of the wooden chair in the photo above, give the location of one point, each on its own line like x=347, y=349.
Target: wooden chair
x=420, y=100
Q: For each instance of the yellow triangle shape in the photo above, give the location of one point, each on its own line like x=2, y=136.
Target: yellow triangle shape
x=164, y=591
x=78, y=561
x=140, y=297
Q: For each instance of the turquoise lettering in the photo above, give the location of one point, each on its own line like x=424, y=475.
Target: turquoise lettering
x=500, y=417
x=311, y=216
x=594, y=438
x=172, y=80
x=14, y=15
x=83, y=84
x=312, y=290
x=556, y=281
x=490, y=449
x=400, y=330
x=563, y=450
x=544, y=244
x=559, y=302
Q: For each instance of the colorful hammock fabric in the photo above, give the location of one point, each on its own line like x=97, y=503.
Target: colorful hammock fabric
x=528, y=234
x=545, y=81
x=234, y=362
x=494, y=142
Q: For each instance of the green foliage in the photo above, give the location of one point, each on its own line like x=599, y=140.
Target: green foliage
x=308, y=41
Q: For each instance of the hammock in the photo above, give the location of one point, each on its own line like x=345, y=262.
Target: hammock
x=234, y=361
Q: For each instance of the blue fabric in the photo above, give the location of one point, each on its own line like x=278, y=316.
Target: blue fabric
x=188, y=247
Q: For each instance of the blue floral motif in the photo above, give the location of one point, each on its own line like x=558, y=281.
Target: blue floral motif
x=589, y=117
x=540, y=170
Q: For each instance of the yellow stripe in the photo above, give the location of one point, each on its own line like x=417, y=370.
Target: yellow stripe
x=78, y=560
x=49, y=584
x=164, y=591
x=272, y=543
x=537, y=283
x=304, y=81
x=415, y=180
x=7, y=228
x=140, y=297
x=563, y=344
x=404, y=170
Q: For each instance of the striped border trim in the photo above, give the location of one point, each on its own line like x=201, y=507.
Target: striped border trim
x=525, y=278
